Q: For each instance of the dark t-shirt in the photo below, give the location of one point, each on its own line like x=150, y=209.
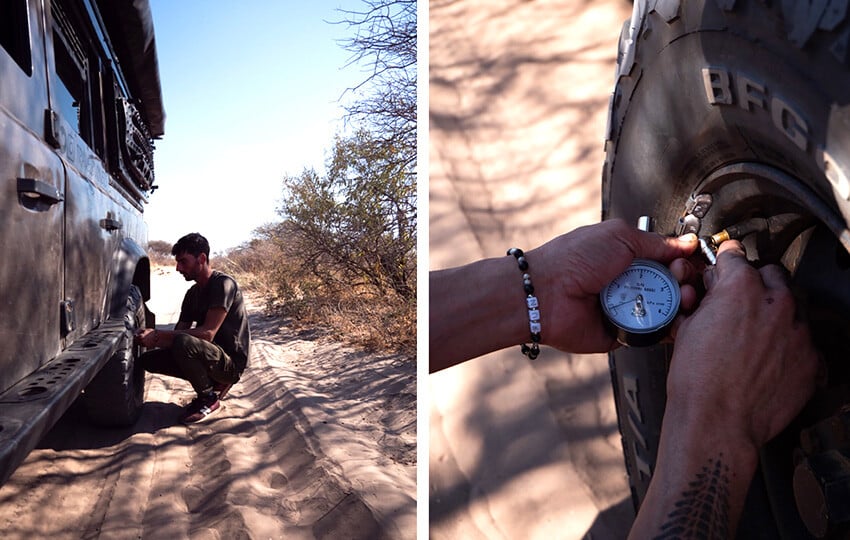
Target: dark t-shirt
x=234, y=335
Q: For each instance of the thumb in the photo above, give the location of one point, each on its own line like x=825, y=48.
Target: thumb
x=734, y=257
x=664, y=248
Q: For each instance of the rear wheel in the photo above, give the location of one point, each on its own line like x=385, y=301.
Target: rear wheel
x=728, y=112
x=115, y=396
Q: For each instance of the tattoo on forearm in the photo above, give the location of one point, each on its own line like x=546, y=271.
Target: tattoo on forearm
x=703, y=510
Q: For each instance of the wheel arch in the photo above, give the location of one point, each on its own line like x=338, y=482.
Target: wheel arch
x=130, y=266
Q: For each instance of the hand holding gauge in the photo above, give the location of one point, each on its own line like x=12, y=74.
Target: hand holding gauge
x=643, y=301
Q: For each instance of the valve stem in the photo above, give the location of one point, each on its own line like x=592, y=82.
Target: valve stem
x=740, y=230
x=706, y=246
x=719, y=238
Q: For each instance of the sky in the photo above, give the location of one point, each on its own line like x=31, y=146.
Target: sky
x=253, y=91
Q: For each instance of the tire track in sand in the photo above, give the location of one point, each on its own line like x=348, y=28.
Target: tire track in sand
x=255, y=469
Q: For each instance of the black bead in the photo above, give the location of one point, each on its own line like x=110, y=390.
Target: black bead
x=523, y=264
x=529, y=288
x=516, y=252
x=535, y=338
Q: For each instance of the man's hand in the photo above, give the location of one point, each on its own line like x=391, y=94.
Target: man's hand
x=743, y=366
x=743, y=360
x=571, y=270
x=145, y=337
x=480, y=307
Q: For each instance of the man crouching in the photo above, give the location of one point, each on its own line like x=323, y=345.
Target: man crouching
x=212, y=354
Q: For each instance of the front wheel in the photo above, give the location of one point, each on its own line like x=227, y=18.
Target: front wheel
x=114, y=398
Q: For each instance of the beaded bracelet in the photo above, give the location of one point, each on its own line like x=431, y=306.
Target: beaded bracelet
x=533, y=350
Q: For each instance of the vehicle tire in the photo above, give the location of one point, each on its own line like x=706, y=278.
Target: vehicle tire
x=723, y=111
x=114, y=398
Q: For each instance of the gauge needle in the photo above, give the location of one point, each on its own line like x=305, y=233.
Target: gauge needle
x=635, y=299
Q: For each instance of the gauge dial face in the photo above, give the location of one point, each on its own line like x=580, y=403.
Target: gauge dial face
x=643, y=299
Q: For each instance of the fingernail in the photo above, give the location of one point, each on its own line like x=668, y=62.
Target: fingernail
x=689, y=238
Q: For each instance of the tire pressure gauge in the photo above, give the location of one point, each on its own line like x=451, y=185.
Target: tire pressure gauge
x=641, y=303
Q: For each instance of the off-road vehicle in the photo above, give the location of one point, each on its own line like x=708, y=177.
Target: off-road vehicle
x=80, y=103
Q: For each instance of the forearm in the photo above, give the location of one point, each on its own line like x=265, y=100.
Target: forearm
x=475, y=309
x=700, y=482
x=165, y=338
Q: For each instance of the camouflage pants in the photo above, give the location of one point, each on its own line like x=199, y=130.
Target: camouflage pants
x=192, y=359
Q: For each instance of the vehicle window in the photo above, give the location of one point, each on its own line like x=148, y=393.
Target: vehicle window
x=71, y=96
x=79, y=66
x=14, y=33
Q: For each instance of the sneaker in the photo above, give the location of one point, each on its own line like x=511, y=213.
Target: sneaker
x=221, y=389
x=200, y=408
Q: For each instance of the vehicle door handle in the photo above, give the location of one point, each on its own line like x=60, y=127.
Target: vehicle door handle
x=39, y=190
x=110, y=222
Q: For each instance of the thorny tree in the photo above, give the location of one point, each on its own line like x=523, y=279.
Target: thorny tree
x=385, y=42
x=348, y=235
x=357, y=223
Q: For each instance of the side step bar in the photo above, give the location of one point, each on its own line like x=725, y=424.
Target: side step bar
x=30, y=408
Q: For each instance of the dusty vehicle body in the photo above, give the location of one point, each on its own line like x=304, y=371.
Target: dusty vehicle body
x=80, y=103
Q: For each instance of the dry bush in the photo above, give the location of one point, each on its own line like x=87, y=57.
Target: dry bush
x=253, y=264
x=373, y=321
x=311, y=297
x=379, y=323
x=159, y=252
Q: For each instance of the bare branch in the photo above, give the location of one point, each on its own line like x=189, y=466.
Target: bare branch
x=385, y=42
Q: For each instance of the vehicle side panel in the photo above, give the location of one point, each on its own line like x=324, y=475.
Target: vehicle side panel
x=30, y=230
x=98, y=215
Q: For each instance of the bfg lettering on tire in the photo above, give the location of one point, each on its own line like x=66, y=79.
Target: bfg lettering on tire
x=751, y=95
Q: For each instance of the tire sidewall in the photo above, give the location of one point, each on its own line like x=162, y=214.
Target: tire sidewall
x=696, y=101
x=700, y=87
x=115, y=396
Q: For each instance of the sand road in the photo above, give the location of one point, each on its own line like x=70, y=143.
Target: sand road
x=317, y=440
x=518, y=107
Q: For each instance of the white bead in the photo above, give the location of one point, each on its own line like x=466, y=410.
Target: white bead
x=535, y=327
x=531, y=302
x=533, y=314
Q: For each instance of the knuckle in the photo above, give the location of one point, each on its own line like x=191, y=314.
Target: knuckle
x=742, y=277
x=783, y=299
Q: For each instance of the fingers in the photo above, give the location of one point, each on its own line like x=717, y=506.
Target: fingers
x=731, y=258
x=683, y=270
x=648, y=245
x=774, y=277
x=686, y=274
x=664, y=248
x=689, y=298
